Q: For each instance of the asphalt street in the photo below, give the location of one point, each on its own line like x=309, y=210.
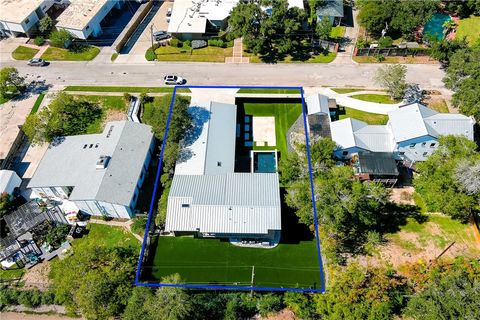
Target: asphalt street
x=428, y=76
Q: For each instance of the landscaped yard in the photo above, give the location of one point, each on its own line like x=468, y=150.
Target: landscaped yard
x=208, y=54
x=109, y=236
x=87, y=54
x=377, y=98
x=320, y=58
x=469, y=28
x=337, y=32
x=113, y=107
x=346, y=90
x=370, y=118
x=38, y=102
x=24, y=53
x=12, y=273
x=212, y=261
x=124, y=89
x=285, y=114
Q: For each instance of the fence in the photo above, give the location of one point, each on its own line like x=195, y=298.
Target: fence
x=326, y=45
x=394, y=52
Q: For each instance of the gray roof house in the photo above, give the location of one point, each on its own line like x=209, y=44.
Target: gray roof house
x=411, y=133
x=208, y=199
x=100, y=173
x=333, y=9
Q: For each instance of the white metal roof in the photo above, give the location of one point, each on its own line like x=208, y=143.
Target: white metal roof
x=79, y=13
x=247, y=203
x=72, y=162
x=317, y=103
x=343, y=131
x=17, y=11
x=9, y=180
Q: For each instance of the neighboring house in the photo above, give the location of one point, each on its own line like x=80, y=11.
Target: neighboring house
x=196, y=19
x=411, y=133
x=19, y=248
x=319, y=113
x=82, y=18
x=332, y=9
x=100, y=174
x=9, y=180
x=20, y=17
x=376, y=166
x=208, y=199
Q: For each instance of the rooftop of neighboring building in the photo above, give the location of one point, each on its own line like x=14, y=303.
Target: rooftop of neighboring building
x=17, y=11
x=79, y=13
x=331, y=8
x=76, y=161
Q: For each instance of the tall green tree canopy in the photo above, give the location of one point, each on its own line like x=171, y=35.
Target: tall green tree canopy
x=436, y=181
x=11, y=83
x=66, y=115
x=392, y=79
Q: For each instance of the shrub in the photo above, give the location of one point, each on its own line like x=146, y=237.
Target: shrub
x=57, y=235
x=39, y=40
x=48, y=298
x=138, y=225
x=187, y=44
x=127, y=96
x=380, y=57
x=269, y=304
x=385, y=42
x=197, y=44
x=60, y=38
x=362, y=43
x=174, y=42
x=230, y=44
x=144, y=98
x=45, y=25
x=150, y=55
x=217, y=43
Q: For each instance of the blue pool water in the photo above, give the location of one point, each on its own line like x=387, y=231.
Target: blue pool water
x=434, y=26
x=264, y=162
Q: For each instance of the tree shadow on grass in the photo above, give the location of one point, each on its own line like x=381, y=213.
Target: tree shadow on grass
x=292, y=230
x=396, y=216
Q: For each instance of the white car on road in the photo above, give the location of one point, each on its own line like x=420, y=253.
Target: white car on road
x=173, y=79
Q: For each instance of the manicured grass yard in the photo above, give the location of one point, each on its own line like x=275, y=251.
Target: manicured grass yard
x=320, y=58
x=370, y=118
x=378, y=98
x=108, y=236
x=272, y=91
x=439, y=106
x=124, y=89
x=212, y=261
x=11, y=274
x=208, y=54
x=346, y=90
x=469, y=28
x=38, y=102
x=285, y=114
x=108, y=103
x=24, y=53
x=337, y=32
x=87, y=54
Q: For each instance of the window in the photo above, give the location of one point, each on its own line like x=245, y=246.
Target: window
x=27, y=21
x=402, y=153
x=424, y=144
x=88, y=27
x=345, y=153
x=432, y=145
x=185, y=205
x=425, y=154
x=413, y=145
x=55, y=192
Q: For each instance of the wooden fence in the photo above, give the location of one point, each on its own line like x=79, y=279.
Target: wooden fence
x=394, y=52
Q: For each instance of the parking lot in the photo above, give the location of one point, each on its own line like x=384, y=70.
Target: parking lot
x=137, y=51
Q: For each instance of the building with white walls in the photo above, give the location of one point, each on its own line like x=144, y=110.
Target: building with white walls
x=20, y=17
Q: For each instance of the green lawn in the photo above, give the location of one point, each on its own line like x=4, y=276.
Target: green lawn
x=114, y=103
x=38, y=102
x=439, y=231
x=370, y=118
x=212, y=261
x=378, y=98
x=285, y=114
x=109, y=236
x=124, y=89
x=469, y=28
x=272, y=91
x=52, y=54
x=337, y=32
x=24, y=53
x=12, y=273
x=439, y=106
x=208, y=54
x=346, y=90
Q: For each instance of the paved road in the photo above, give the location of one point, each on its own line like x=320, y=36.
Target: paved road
x=151, y=74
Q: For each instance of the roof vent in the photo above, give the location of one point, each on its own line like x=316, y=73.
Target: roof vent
x=102, y=162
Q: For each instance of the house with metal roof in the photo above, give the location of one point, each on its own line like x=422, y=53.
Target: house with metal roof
x=411, y=133
x=376, y=166
x=332, y=9
x=20, y=17
x=101, y=174
x=207, y=197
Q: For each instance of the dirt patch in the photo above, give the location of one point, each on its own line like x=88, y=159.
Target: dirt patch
x=37, y=276
x=115, y=115
x=26, y=316
x=285, y=314
x=402, y=195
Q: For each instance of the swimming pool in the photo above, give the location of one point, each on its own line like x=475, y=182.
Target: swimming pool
x=264, y=162
x=434, y=26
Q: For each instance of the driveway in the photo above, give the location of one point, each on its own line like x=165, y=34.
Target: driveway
x=144, y=41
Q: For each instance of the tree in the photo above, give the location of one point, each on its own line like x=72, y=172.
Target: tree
x=360, y=293
x=291, y=168
x=240, y=306
x=446, y=291
x=468, y=176
x=436, y=181
x=269, y=304
x=5, y=204
x=443, y=50
x=299, y=197
x=135, y=308
x=11, y=83
x=60, y=38
x=66, y=115
x=45, y=25
x=169, y=303
x=463, y=77
x=324, y=29
x=300, y=303
x=392, y=78
x=57, y=235
x=347, y=209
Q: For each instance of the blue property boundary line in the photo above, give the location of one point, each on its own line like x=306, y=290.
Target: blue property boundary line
x=155, y=188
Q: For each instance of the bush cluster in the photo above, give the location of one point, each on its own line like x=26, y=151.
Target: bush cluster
x=174, y=42
x=39, y=40
x=150, y=55
x=217, y=43
x=28, y=298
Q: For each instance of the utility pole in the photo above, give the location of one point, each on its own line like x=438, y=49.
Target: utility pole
x=151, y=34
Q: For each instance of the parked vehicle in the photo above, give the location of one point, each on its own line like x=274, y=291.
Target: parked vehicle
x=160, y=35
x=37, y=62
x=173, y=80
x=169, y=12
